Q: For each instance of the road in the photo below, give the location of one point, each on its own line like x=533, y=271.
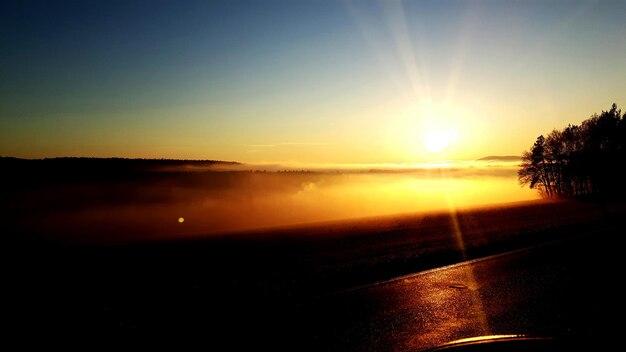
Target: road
x=566, y=289
x=179, y=295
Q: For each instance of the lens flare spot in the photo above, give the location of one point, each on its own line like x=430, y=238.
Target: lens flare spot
x=181, y=220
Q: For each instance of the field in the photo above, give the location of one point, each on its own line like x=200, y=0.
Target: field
x=258, y=283
x=122, y=200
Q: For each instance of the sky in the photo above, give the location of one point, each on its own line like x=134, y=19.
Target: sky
x=302, y=81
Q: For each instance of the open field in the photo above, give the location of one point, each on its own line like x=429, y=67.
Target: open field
x=122, y=200
x=111, y=279
x=252, y=283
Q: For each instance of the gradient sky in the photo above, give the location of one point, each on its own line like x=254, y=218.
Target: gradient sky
x=304, y=81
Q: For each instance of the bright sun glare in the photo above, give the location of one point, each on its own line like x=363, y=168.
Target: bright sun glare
x=437, y=141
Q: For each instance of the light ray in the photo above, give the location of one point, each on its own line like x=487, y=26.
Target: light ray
x=462, y=47
x=396, y=18
x=375, y=42
x=470, y=279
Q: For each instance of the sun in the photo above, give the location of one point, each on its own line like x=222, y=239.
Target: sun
x=436, y=141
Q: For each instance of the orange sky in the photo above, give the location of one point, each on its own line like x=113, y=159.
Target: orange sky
x=308, y=82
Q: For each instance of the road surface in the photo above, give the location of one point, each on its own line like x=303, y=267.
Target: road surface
x=566, y=289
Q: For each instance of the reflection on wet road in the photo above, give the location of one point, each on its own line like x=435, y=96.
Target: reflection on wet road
x=214, y=294
x=558, y=289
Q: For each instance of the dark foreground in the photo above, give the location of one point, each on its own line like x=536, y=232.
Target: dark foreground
x=563, y=290
x=298, y=289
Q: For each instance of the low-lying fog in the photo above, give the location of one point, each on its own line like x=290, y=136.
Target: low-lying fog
x=174, y=203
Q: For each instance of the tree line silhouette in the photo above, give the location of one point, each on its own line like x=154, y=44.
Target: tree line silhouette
x=580, y=160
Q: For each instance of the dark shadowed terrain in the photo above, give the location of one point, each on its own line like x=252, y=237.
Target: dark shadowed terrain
x=278, y=287
x=90, y=200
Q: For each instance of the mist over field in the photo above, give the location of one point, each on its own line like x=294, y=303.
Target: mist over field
x=183, y=200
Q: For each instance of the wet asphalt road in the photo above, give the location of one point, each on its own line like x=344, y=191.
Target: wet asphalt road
x=186, y=298
x=565, y=289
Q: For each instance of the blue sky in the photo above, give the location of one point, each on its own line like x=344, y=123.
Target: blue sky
x=320, y=81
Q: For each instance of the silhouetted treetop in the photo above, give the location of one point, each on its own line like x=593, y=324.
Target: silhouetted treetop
x=585, y=160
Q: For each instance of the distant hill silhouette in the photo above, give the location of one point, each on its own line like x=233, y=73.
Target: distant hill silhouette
x=140, y=162
x=111, y=162
x=78, y=169
x=501, y=158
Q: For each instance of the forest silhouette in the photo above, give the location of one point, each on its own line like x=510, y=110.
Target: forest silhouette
x=585, y=160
